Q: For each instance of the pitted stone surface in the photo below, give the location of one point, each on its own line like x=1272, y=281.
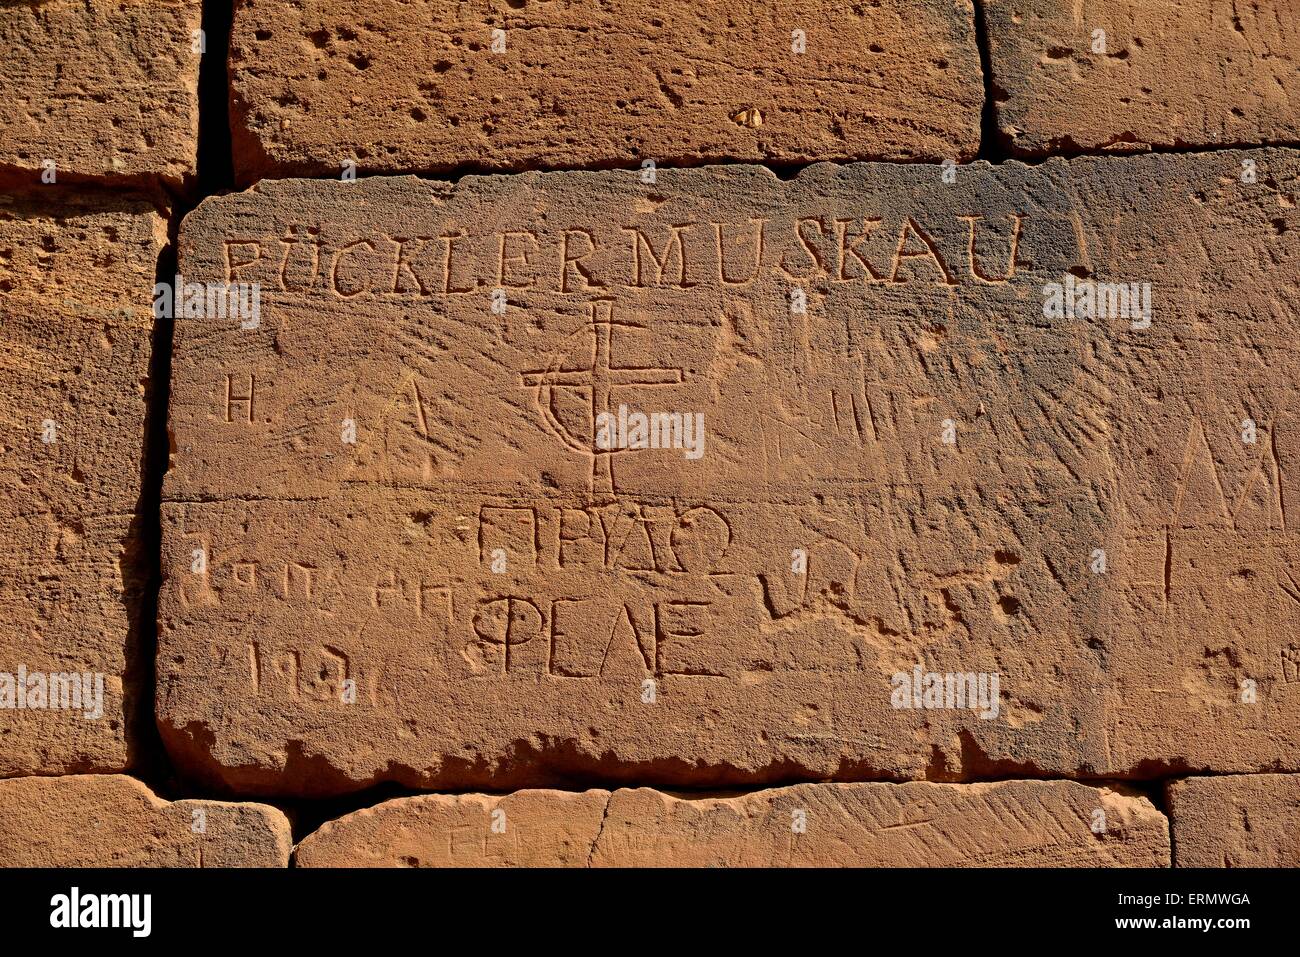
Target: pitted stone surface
x=961, y=481
x=103, y=89
x=429, y=86
x=1011, y=823
x=110, y=820
x=1237, y=820
x=1071, y=75
x=76, y=279
x=419, y=565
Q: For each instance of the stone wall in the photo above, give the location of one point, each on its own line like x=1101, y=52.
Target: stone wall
x=724, y=434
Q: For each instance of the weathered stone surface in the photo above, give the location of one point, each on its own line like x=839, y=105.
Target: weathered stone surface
x=111, y=820
x=1236, y=821
x=405, y=87
x=1195, y=73
x=332, y=567
x=106, y=89
x=76, y=279
x=1010, y=823
x=539, y=828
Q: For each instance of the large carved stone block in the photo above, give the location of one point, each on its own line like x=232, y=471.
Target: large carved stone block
x=939, y=479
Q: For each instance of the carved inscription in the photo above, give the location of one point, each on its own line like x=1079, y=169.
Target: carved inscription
x=401, y=485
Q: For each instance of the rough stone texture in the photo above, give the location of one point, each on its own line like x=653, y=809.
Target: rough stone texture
x=1011, y=823
x=542, y=828
x=76, y=280
x=393, y=553
x=1174, y=73
x=368, y=566
x=1237, y=821
x=107, y=89
x=110, y=820
x=411, y=86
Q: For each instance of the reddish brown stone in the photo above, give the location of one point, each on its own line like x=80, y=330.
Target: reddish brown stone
x=1011, y=823
x=1194, y=73
x=1237, y=821
x=540, y=828
x=104, y=89
x=416, y=86
x=472, y=595
x=110, y=820
x=76, y=279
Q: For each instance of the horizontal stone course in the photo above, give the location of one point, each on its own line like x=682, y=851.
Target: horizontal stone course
x=960, y=461
x=434, y=86
x=110, y=820
x=105, y=90
x=1010, y=823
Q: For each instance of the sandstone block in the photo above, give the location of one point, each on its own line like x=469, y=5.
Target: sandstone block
x=76, y=279
x=110, y=820
x=1237, y=820
x=540, y=828
x=1124, y=77
x=436, y=86
x=105, y=89
x=1007, y=824
x=989, y=477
